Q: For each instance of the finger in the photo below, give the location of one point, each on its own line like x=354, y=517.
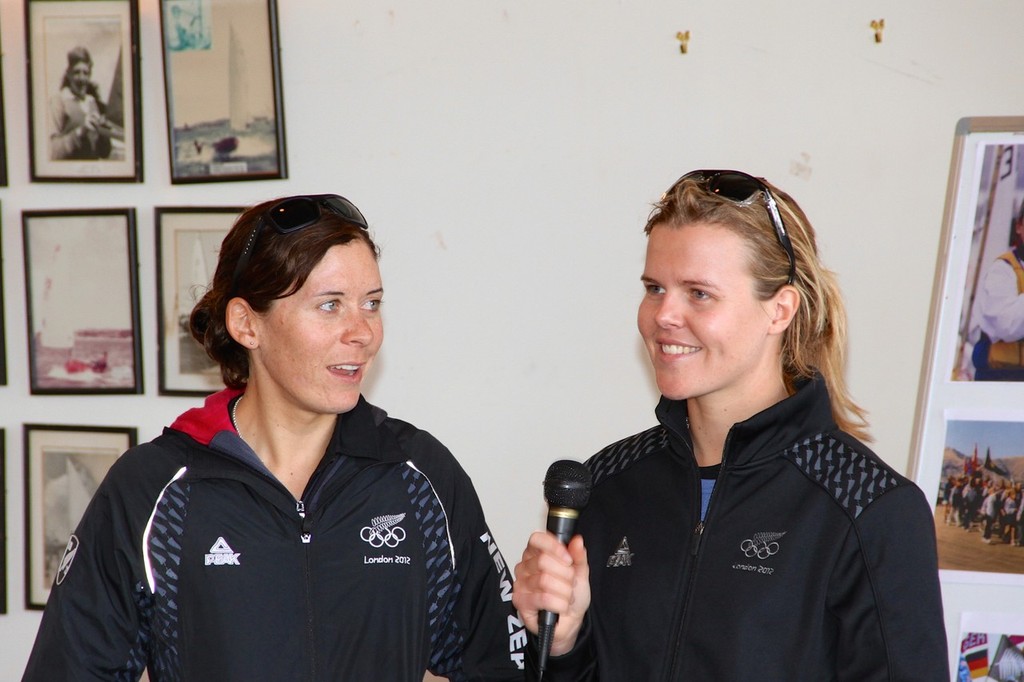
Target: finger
x=548, y=543
x=578, y=552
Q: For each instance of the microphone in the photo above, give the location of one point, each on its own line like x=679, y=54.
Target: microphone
x=567, y=490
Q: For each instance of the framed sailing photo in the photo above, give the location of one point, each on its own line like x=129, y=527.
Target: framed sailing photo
x=187, y=247
x=85, y=120
x=225, y=119
x=64, y=465
x=81, y=288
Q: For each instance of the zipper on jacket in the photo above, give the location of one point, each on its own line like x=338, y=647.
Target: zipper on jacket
x=306, y=533
x=698, y=533
x=695, y=542
x=310, y=625
x=315, y=486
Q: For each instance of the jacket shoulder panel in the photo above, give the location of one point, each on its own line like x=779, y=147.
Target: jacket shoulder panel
x=468, y=585
x=849, y=472
x=442, y=588
x=622, y=454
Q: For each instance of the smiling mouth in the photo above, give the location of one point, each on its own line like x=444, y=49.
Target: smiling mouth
x=669, y=349
x=350, y=370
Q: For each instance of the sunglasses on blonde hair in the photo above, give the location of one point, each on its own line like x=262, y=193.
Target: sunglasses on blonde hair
x=742, y=189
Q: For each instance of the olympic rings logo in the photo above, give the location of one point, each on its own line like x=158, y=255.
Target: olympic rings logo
x=762, y=551
x=378, y=537
x=384, y=530
x=762, y=545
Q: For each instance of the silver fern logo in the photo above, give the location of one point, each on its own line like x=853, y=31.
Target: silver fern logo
x=384, y=531
x=761, y=545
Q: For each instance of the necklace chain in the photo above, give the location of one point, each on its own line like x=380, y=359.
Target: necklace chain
x=234, y=413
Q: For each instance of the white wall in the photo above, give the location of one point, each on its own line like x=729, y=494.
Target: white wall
x=507, y=154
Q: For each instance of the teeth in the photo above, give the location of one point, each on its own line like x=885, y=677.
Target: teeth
x=346, y=368
x=678, y=350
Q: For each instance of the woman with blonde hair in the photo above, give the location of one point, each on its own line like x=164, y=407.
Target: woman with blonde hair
x=751, y=534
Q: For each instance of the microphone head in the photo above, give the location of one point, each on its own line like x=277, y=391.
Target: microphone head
x=567, y=484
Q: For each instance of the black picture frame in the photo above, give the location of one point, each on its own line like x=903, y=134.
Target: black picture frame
x=82, y=301
x=222, y=81
x=187, y=246
x=64, y=466
x=87, y=129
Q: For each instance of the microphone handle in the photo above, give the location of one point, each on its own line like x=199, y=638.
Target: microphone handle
x=561, y=522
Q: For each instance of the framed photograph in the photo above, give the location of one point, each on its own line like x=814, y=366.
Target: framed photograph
x=970, y=373
x=225, y=119
x=3, y=326
x=3, y=521
x=64, y=466
x=979, y=496
x=3, y=131
x=187, y=247
x=85, y=103
x=81, y=288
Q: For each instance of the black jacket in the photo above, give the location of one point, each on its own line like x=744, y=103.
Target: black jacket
x=816, y=560
x=193, y=561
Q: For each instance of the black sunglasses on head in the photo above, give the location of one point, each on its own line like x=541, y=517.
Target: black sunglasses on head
x=293, y=214
x=741, y=188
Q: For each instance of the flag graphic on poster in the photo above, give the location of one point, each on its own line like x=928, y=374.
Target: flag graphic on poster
x=991, y=656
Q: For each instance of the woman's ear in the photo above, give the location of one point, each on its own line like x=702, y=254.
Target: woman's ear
x=783, y=308
x=241, y=323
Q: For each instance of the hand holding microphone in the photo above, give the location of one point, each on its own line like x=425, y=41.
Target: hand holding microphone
x=550, y=574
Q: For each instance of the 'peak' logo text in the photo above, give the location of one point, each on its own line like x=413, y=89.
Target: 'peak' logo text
x=222, y=555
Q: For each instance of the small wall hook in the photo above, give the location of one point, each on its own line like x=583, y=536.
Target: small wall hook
x=684, y=39
x=878, y=25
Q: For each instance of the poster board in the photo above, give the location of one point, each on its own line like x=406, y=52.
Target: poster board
x=969, y=427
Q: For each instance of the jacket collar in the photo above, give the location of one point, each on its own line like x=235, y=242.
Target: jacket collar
x=203, y=423
x=806, y=413
x=360, y=432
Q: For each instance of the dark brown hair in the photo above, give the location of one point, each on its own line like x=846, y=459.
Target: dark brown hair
x=278, y=267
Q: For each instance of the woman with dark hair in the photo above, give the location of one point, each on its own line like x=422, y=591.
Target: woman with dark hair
x=79, y=129
x=287, y=529
x=751, y=534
